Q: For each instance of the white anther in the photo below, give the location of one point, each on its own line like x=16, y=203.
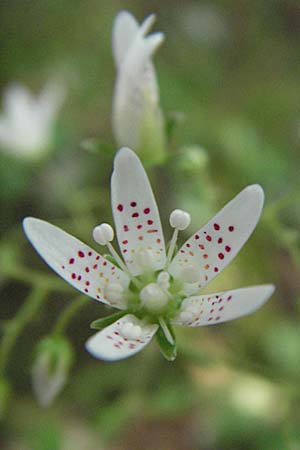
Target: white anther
x=180, y=219
x=190, y=274
x=131, y=331
x=114, y=292
x=153, y=297
x=103, y=234
x=186, y=316
x=163, y=280
x=145, y=259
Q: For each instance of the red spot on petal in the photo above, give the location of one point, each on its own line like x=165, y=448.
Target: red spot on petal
x=87, y=283
x=73, y=276
x=216, y=226
x=146, y=210
x=208, y=238
x=149, y=222
x=227, y=248
x=81, y=254
x=87, y=269
x=125, y=242
x=86, y=290
x=125, y=228
x=205, y=256
x=231, y=228
x=201, y=246
x=216, y=269
x=120, y=207
x=104, y=263
x=97, y=258
x=136, y=214
x=139, y=226
x=141, y=238
x=79, y=277
x=197, y=236
x=221, y=255
x=188, y=245
x=229, y=298
x=95, y=266
x=133, y=204
x=220, y=240
x=90, y=253
x=71, y=261
x=158, y=241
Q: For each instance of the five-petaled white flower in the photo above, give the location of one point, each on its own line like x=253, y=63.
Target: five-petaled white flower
x=153, y=287
x=26, y=124
x=137, y=118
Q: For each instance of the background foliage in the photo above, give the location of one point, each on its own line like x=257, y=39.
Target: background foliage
x=229, y=77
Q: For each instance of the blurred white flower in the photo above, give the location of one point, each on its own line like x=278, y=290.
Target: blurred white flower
x=27, y=121
x=137, y=118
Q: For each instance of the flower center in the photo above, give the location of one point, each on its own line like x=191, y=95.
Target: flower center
x=153, y=298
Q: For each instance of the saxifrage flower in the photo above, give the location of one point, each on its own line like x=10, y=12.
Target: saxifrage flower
x=153, y=288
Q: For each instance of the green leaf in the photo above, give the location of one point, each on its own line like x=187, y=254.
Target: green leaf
x=104, y=322
x=168, y=350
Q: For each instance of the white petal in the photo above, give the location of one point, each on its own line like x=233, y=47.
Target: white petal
x=74, y=261
x=110, y=345
x=124, y=31
x=210, y=309
x=135, y=213
x=213, y=247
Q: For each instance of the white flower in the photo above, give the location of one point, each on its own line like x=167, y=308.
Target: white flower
x=154, y=289
x=137, y=118
x=27, y=121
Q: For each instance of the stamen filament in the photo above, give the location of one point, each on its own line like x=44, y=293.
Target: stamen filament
x=172, y=247
x=122, y=264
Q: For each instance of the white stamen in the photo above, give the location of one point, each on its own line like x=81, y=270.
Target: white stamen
x=153, y=297
x=190, y=274
x=163, y=280
x=114, y=292
x=172, y=247
x=186, y=316
x=103, y=234
x=131, y=331
x=145, y=259
x=180, y=219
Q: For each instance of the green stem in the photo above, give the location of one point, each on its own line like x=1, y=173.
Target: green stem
x=15, y=326
x=69, y=312
x=31, y=277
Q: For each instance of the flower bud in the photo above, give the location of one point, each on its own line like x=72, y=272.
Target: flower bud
x=51, y=368
x=180, y=219
x=103, y=234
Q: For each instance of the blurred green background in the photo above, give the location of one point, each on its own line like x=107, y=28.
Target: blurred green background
x=229, y=77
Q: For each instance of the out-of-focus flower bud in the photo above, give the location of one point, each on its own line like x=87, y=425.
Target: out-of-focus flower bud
x=137, y=119
x=51, y=368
